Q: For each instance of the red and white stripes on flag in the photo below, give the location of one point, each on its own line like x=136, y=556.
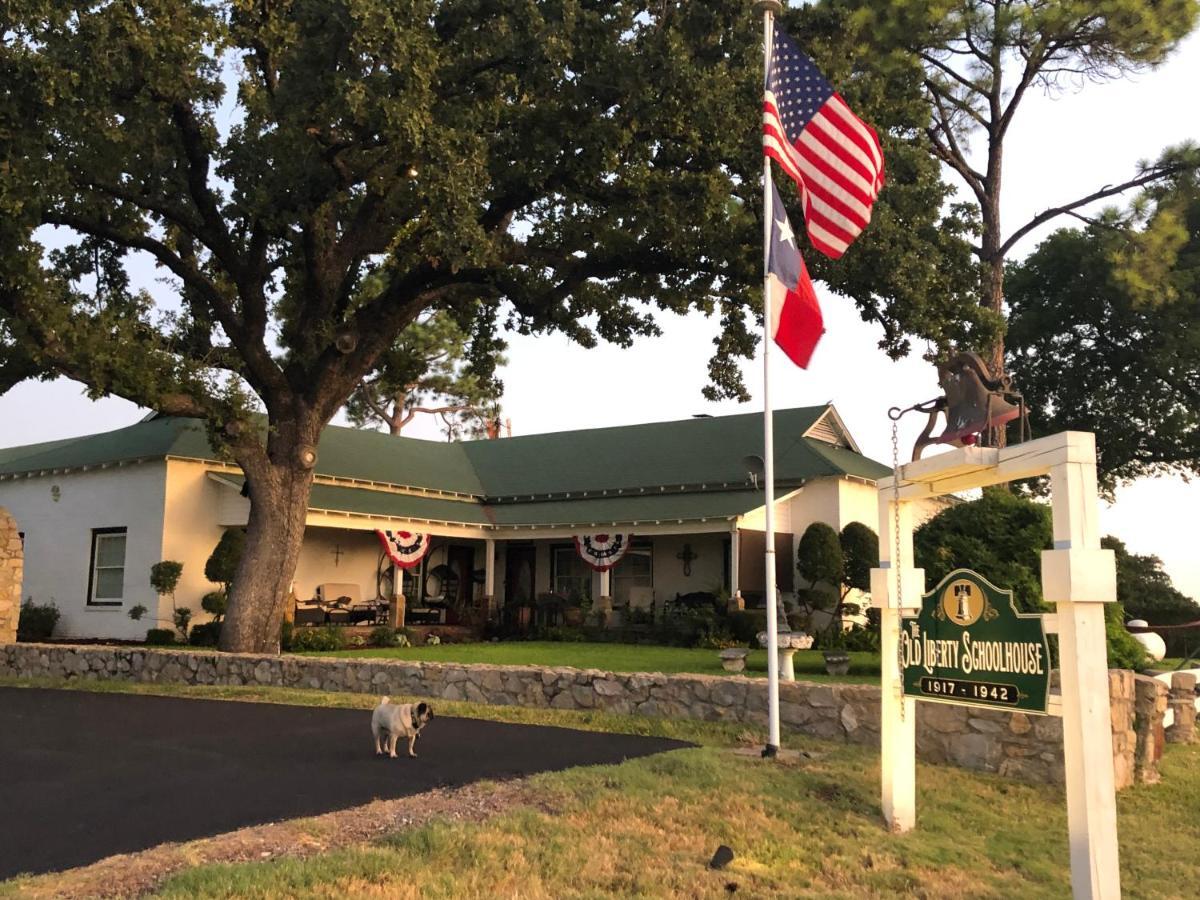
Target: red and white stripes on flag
x=832, y=155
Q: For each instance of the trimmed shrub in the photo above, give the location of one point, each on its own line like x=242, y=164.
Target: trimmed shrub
x=383, y=636
x=205, y=635
x=158, y=637
x=223, y=562
x=214, y=603
x=819, y=555
x=561, y=634
x=746, y=624
x=862, y=639
x=318, y=639
x=37, y=621
x=164, y=576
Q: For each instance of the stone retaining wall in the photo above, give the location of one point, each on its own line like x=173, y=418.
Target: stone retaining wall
x=1024, y=747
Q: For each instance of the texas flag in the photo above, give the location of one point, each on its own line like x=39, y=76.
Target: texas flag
x=796, y=323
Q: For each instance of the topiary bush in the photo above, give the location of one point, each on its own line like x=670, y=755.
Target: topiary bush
x=223, y=562
x=37, y=621
x=214, y=603
x=745, y=625
x=158, y=637
x=205, y=635
x=312, y=640
x=164, y=576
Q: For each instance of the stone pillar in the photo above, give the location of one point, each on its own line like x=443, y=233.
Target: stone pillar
x=1183, y=706
x=1150, y=705
x=11, y=562
x=1120, y=698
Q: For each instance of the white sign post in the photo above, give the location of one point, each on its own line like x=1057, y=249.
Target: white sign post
x=1077, y=575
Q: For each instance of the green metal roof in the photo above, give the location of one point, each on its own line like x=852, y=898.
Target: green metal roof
x=342, y=452
x=632, y=473
x=367, y=502
x=154, y=439
x=706, y=451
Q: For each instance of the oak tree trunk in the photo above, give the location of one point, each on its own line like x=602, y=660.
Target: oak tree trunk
x=280, y=483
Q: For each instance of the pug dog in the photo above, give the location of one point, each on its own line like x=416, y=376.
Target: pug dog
x=390, y=721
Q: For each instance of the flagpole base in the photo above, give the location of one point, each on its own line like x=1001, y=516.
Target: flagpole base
x=772, y=6
x=770, y=751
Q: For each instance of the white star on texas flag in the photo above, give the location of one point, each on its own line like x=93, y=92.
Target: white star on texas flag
x=785, y=231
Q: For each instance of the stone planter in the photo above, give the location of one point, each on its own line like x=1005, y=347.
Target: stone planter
x=733, y=659
x=837, y=662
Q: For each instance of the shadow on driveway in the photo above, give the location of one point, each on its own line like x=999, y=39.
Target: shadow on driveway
x=89, y=775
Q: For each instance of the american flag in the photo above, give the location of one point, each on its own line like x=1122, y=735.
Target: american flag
x=833, y=156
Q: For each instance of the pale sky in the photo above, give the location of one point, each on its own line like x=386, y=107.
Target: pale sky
x=1059, y=149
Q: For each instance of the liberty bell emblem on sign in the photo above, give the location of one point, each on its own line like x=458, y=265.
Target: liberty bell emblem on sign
x=962, y=593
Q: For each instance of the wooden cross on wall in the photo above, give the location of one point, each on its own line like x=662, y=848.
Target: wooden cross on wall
x=337, y=552
x=687, y=556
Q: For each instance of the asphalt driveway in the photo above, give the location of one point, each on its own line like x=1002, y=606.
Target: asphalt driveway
x=89, y=775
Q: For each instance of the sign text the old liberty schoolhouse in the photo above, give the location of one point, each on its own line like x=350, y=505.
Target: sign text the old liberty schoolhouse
x=969, y=645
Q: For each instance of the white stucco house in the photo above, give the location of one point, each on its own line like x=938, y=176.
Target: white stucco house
x=96, y=512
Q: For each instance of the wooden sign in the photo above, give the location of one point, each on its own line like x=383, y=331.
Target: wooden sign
x=970, y=646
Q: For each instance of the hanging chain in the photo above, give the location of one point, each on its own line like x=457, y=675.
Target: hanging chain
x=896, y=553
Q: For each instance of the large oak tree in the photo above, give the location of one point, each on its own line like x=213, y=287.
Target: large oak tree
x=311, y=176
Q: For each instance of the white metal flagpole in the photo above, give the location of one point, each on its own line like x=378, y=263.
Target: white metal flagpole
x=769, y=9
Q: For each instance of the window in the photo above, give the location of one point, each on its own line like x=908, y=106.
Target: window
x=570, y=576
x=635, y=569
x=106, y=585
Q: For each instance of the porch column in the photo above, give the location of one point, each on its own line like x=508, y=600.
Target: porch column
x=734, y=553
x=397, y=605
x=605, y=582
x=489, y=574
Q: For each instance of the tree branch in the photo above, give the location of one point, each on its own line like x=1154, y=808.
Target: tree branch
x=1155, y=174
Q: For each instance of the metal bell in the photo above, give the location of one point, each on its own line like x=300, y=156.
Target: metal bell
x=975, y=403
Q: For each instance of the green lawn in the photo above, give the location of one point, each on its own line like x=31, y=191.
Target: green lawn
x=809, y=664
x=1171, y=664
x=647, y=827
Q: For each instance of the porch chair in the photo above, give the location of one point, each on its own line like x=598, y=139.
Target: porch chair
x=343, y=603
x=309, y=612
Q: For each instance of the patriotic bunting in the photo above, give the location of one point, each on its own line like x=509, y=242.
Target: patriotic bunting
x=602, y=551
x=405, y=548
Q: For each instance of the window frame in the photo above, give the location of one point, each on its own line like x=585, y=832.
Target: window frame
x=644, y=547
x=97, y=535
x=589, y=575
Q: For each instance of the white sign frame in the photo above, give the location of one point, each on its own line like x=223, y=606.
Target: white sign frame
x=1077, y=576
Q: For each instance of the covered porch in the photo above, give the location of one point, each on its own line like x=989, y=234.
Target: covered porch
x=509, y=569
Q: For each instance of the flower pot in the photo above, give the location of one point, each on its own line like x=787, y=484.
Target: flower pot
x=837, y=662
x=733, y=659
x=573, y=616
